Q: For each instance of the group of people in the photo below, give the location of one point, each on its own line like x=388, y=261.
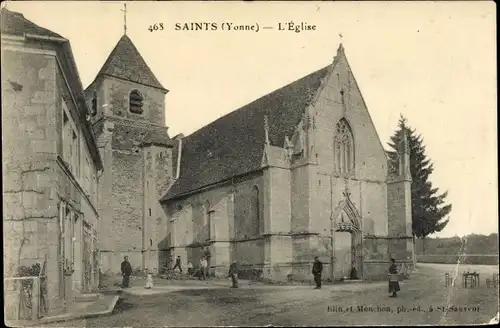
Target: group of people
x=203, y=272
x=126, y=269
x=317, y=271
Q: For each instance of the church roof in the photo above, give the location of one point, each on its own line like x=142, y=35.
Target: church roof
x=159, y=138
x=233, y=144
x=15, y=24
x=125, y=62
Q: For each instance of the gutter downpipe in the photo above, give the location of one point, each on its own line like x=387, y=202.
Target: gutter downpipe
x=332, y=258
x=179, y=154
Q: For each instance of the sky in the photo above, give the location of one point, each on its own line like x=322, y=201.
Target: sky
x=433, y=62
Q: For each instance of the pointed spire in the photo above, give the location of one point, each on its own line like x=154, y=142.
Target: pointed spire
x=404, y=157
x=406, y=146
x=340, y=49
x=266, y=128
x=126, y=63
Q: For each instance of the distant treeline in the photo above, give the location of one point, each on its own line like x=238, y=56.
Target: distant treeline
x=480, y=249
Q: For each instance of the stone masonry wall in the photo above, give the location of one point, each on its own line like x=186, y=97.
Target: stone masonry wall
x=231, y=221
x=367, y=186
x=29, y=139
x=133, y=222
x=117, y=94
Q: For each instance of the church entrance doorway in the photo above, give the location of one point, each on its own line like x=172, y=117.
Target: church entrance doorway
x=343, y=256
x=347, y=240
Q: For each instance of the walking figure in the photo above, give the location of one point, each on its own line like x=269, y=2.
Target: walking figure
x=316, y=271
x=233, y=273
x=126, y=272
x=178, y=264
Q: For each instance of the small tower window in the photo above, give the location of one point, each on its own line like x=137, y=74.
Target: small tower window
x=93, y=106
x=136, y=102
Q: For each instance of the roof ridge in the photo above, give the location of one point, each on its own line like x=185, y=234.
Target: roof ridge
x=236, y=139
x=13, y=22
x=247, y=106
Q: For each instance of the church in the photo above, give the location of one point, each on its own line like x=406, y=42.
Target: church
x=297, y=173
x=92, y=175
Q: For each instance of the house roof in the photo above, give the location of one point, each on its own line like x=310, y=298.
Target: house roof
x=15, y=24
x=233, y=144
x=125, y=62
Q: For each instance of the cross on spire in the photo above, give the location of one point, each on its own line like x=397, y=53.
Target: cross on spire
x=341, y=36
x=124, y=18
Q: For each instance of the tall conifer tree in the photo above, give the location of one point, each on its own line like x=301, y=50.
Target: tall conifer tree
x=429, y=211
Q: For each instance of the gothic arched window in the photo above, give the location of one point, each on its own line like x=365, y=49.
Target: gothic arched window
x=93, y=109
x=255, y=203
x=135, y=102
x=344, y=148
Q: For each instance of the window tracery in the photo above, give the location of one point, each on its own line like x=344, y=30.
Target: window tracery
x=344, y=148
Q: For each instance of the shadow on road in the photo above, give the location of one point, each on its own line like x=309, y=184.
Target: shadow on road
x=123, y=305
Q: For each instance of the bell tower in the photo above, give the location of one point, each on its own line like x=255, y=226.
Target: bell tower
x=128, y=118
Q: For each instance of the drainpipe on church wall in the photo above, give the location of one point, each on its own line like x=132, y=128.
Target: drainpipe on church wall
x=179, y=154
x=332, y=258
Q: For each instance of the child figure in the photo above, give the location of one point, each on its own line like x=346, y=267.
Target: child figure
x=149, y=281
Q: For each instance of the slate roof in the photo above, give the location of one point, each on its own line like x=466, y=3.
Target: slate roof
x=160, y=138
x=125, y=62
x=233, y=144
x=15, y=23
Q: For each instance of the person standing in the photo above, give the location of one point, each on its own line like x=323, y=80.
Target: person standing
x=203, y=268
x=149, y=280
x=177, y=264
x=233, y=273
x=393, y=284
x=190, y=268
x=354, y=273
x=126, y=272
x=317, y=271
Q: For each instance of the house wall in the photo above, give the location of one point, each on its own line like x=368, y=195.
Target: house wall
x=36, y=180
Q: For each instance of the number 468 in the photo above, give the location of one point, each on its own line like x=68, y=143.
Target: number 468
x=156, y=27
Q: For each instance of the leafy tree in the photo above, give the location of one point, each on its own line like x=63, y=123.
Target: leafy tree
x=429, y=210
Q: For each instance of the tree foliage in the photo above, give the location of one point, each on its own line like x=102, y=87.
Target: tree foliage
x=429, y=211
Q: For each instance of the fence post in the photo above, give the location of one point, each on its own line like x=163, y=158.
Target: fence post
x=36, y=299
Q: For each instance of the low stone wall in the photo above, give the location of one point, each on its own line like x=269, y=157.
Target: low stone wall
x=376, y=270
x=465, y=259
